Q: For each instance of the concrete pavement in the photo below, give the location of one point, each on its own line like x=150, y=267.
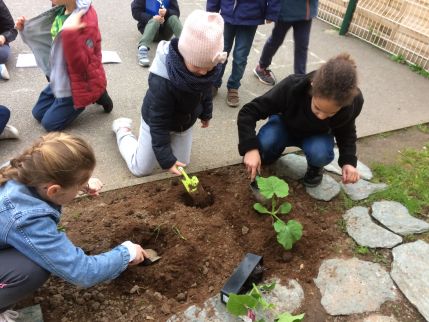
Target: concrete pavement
x=395, y=97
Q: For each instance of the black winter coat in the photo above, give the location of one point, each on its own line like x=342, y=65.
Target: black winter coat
x=138, y=10
x=7, y=25
x=291, y=99
x=166, y=109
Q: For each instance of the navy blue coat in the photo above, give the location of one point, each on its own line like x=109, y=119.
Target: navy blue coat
x=138, y=10
x=245, y=12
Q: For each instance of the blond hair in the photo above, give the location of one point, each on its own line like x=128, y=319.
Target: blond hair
x=56, y=157
x=337, y=80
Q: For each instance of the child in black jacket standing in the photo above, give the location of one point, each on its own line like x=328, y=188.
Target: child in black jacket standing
x=307, y=111
x=157, y=20
x=180, y=82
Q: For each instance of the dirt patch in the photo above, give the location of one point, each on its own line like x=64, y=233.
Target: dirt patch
x=200, y=247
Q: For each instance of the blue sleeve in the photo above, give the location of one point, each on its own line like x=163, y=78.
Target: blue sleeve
x=273, y=10
x=213, y=6
x=39, y=239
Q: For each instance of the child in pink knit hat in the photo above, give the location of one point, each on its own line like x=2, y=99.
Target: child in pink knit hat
x=180, y=81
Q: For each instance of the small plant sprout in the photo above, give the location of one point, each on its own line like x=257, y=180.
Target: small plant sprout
x=273, y=189
x=253, y=303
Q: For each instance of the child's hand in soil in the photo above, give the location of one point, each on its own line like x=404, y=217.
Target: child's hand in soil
x=140, y=255
x=174, y=170
x=20, y=22
x=93, y=187
x=350, y=174
x=252, y=161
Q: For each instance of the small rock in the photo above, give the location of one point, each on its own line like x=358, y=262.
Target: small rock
x=181, y=297
x=207, y=264
x=194, y=285
x=135, y=289
x=165, y=308
x=301, y=267
x=236, y=195
x=244, y=230
x=56, y=300
x=148, y=317
x=211, y=289
x=158, y=296
x=205, y=270
x=87, y=296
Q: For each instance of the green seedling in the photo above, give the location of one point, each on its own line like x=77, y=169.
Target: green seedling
x=190, y=183
x=273, y=189
x=254, y=302
x=177, y=232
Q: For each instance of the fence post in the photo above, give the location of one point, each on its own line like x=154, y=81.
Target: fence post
x=348, y=17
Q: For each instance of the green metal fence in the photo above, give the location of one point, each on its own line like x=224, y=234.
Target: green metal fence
x=400, y=27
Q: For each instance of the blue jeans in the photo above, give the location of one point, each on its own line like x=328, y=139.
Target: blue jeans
x=274, y=137
x=301, y=37
x=54, y=113
x=4, y=53
x=4, y=117
x=243, y=36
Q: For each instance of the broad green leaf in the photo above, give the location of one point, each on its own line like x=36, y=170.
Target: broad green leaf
x=287, y=317
x=239, y=304
x=260, y=208
x=285, y=208
x=272, y=185
x=288, y=234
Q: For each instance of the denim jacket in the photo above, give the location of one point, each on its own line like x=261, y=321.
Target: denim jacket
x=29, y=224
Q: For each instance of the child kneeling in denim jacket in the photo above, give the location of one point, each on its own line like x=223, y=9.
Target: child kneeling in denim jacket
x=33, y=187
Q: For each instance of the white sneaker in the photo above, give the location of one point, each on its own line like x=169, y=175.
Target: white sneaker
x=9, y=316
x=122, y=123
x=9, y=132
x=4, y=74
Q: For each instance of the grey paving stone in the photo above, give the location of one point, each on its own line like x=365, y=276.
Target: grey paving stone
x=30, y=314
x=285, y=298
x=410, y=271
x=327, y=190
x=365, y=232
x=291, y=166
x=396, y=217
x=364, y=171
x=362, y=189
x=351, y=286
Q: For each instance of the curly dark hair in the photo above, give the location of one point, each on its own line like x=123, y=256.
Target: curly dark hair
x=336, y=80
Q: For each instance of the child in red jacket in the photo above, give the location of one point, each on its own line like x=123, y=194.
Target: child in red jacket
x=66, y=43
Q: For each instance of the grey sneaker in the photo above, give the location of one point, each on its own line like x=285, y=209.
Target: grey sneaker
x=4, y=74
x=265, y=75
x=143, y=56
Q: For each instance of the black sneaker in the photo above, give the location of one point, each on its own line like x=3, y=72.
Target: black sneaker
x=313, y=177
x=106, y=102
